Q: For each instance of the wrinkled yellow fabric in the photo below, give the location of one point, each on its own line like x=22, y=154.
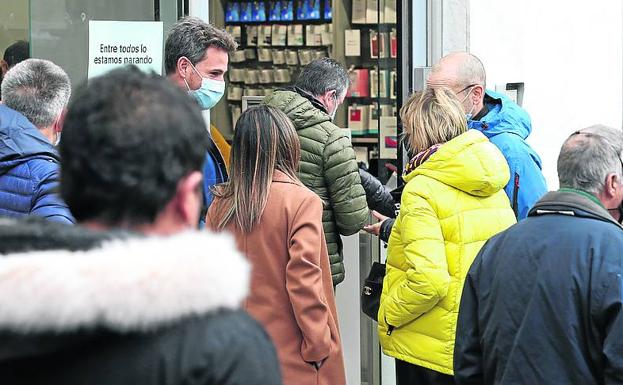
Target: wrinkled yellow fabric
x=451, y=205
x=222, y=145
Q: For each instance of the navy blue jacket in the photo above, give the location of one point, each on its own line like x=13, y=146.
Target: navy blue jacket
x=29, y=171
x=543, y=300
x=507, y=126
x=214, y=172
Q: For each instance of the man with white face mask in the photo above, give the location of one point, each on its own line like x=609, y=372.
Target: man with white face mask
x=328, y=165
x=196, y=59
x=505, y=124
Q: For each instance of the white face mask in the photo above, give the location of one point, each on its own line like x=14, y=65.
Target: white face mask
x=335, y=109
x=469, y=115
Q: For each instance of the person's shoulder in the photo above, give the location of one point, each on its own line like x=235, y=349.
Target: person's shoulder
x=32, y=168
x=221, y=320
x=513, y=147
x=223, y=333
x=294, y=191
x=333, y=130
x=43, y=166
x=224, y=346
x=579, y=228
x=309, y=197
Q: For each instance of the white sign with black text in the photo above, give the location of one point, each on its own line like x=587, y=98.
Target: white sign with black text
x=114, y=44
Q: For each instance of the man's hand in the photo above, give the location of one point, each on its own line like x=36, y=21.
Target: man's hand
x=375, y=228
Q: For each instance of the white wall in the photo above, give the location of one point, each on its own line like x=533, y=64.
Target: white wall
x=569, y=55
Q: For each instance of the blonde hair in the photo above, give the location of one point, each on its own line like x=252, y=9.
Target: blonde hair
x=264, y=141
x=432, y=116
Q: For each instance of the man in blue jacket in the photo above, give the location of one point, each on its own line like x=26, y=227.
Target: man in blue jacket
x=35, y=93
x=505, y=124
x=543, y=300
x=196, y=57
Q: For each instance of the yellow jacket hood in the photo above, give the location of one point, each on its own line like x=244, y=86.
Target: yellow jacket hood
x=469, y=163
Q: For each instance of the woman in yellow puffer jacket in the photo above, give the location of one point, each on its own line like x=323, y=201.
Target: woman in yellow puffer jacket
x=452, y=203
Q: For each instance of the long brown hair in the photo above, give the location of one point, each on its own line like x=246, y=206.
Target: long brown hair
x=264, y=141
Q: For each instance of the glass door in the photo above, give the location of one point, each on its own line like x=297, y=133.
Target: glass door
x=59, y=28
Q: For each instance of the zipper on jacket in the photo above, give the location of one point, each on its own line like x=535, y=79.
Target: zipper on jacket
x=390, y=329
x=515, y=196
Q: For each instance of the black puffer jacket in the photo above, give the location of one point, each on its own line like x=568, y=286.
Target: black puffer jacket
x=378, y=196
x=135, y=311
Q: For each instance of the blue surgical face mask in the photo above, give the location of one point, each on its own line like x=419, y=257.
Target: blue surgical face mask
x=210, y=92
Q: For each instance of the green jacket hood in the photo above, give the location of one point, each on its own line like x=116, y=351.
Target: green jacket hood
x=301, y=111
x=469, y=163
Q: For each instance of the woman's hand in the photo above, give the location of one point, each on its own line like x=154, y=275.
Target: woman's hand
x=376, y=227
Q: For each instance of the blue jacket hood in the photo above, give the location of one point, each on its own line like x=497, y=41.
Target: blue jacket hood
x=504, y=116
x=21, y=141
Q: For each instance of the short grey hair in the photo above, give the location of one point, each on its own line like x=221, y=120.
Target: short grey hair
x=588, y=156
x=38, y=89
x=191, y=37
x=322, y=75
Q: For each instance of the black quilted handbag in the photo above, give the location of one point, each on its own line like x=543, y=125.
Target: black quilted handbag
x=371, y=293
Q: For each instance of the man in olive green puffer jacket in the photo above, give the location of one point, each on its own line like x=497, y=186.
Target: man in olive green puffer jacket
x=328, y=165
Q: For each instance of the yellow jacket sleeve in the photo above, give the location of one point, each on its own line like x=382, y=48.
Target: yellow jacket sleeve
x=221, y=144
x=427, y=278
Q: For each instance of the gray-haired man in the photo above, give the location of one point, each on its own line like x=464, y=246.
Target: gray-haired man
x=543, y=300
x=328, y=165
x=35, y=93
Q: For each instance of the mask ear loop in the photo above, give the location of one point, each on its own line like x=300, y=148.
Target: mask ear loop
x=194, y=69
x=470, y=114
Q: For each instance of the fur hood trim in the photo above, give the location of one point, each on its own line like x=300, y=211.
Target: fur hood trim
x=135, y=284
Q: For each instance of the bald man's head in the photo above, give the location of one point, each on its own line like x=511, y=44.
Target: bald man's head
x=464, y=74
x=457, y=70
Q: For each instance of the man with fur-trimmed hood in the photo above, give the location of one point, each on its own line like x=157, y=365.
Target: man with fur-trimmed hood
x=133, y=295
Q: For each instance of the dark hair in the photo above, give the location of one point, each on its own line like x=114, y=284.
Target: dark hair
x=128, y=138
x=264, y=141
x=191, y=37
x=322, y=75
x=17, y=52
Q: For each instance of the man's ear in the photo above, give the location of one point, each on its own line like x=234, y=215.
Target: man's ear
x=60, y=121
x=612, y=184
x=327, y=97
x=188, y=198
x=478, y=93
x=4, y=66
x=182, y=67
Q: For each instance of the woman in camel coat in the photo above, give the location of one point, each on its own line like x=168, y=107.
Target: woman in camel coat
x=277, y=223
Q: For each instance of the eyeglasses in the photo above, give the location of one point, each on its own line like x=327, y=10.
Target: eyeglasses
x=468, y=87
